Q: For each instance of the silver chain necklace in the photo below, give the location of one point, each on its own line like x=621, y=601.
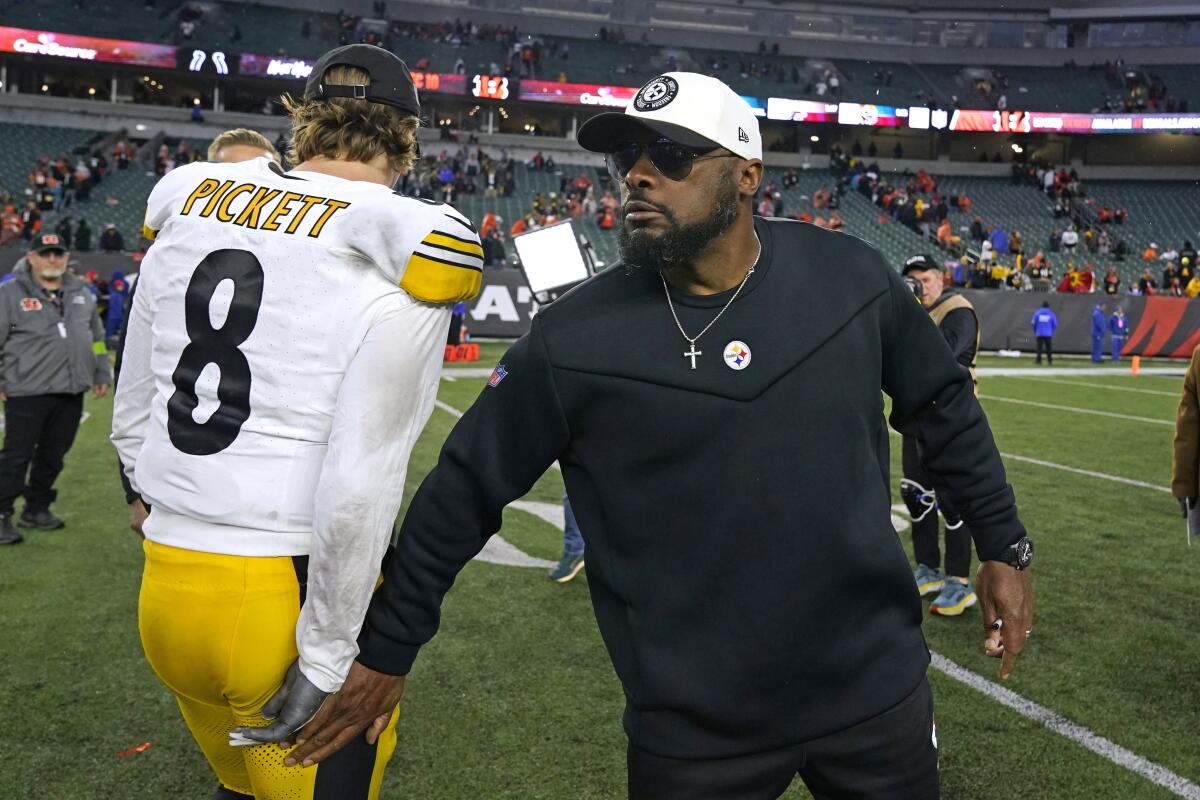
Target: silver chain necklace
x=692, y=353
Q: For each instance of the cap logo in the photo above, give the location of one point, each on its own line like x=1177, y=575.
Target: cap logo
x=49, y=239
x=742, y=137
x=656, y=94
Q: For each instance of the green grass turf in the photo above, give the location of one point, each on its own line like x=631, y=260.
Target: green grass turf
x=516, y=698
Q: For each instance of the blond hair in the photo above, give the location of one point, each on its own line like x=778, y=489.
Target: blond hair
x=241, y=136
x=351, y=129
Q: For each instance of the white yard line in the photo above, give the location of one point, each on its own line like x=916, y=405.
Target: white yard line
x=1072, y=409
x=1063, y=372
x=1105, y=748
x=1095, y=385
x=1090, y=473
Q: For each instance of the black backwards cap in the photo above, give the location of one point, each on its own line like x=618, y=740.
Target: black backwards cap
x=391, y=83
x=919, y=263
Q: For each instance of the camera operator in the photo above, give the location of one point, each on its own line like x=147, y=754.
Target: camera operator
x=955, y=317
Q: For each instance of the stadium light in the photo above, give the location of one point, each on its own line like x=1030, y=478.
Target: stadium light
x=814, y=138
x=91, y=90
x=45, y=88
x=1017, y=148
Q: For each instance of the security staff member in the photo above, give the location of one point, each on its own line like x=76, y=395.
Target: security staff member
x=955, y=317
x=51, y=351
x=718, y=395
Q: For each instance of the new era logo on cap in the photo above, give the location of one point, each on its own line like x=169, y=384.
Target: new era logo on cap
x=695, y=110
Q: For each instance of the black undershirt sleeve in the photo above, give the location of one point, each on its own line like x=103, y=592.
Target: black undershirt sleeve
x=509, y=437
x=933, y=399
x=959, y=329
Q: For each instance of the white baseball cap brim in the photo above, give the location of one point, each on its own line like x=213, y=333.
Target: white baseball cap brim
x=692, y=109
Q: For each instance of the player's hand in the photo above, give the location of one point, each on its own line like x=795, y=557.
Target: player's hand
x=1006, y=599
x=137, y=515
x=100, y=389
x=292, y=706
x=365, y=702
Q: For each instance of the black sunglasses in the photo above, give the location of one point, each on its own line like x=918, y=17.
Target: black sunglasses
x=671, y=159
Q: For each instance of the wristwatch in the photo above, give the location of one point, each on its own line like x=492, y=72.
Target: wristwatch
x=1019, y=554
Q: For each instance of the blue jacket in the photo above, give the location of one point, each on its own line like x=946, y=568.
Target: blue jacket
x=1000, y=240
x=1099, y=323
x=1118, y=325
x=1044, y=322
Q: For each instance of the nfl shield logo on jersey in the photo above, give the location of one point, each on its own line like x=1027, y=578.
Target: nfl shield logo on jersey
x=498, y=374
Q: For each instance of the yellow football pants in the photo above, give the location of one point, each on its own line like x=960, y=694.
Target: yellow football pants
x=220, y=632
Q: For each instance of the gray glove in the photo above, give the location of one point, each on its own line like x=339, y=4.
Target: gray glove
x=291, y=707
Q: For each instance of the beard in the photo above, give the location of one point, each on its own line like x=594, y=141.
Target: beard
x=52, y=273
x=678, y=244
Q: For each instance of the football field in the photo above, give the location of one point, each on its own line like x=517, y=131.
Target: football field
x=515, y=698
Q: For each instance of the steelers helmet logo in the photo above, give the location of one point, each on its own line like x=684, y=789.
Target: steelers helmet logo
x=656, y=94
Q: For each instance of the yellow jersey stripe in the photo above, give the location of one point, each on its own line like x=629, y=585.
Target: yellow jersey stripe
x=433, y=280
x=454, y=244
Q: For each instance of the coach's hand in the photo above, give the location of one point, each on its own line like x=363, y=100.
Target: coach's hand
x=365, y=702
x=138, y=513
x=1006, y=599
x=292, y=706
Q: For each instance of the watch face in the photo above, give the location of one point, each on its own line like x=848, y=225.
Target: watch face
x=1024, y=549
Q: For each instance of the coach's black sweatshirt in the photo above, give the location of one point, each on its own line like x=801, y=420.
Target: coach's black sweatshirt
x=743, y=567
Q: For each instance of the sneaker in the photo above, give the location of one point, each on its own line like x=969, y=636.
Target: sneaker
x=955, y=598
x=40, y=519
x=567, y=567
x=928, y=579
x=9, y=534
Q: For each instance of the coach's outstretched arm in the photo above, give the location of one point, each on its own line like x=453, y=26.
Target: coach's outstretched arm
x=933, y=399
x=507, y=439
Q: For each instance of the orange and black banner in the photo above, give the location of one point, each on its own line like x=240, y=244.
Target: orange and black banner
x=1158, y=326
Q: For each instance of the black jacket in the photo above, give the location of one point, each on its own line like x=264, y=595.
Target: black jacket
x=743, y=567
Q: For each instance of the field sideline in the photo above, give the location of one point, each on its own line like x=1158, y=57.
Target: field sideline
x=516, y=698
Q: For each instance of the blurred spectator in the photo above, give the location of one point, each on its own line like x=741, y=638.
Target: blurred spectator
x=1112, y=282
x=83, y=236
x=1147, y=284
x=31, y=221
x=1151, y=252
x=1192, y=289
x=1070, y=238
x=111, y=240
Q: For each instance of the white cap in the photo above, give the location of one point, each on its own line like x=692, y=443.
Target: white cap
x=686, y=107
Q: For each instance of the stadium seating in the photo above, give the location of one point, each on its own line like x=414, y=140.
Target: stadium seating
x=1161, y=212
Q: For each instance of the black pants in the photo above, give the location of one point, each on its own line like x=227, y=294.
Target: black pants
x=889, y=757
x=38, y=432
x=1043, y=343
x=925, y=532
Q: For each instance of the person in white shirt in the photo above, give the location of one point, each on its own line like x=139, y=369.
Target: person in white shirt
x=1070, y=238
x=282, y=357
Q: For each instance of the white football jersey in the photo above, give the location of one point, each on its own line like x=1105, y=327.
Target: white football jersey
x=261, y=287
x=281, y=358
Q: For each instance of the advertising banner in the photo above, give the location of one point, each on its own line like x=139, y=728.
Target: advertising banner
x=85, y=48
x=1159, y=326
x=504, y=307
x=789, y=110
x=261, y=66
x=1055, y=122
x=577, y=94
x=869, y=114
